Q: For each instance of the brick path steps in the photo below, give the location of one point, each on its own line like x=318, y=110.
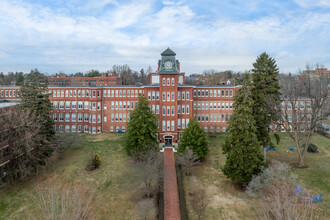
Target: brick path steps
x=171, y=193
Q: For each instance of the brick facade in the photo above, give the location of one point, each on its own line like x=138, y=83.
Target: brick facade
x=96, y=109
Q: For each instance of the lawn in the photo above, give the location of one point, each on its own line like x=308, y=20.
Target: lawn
x=228, y=201
x=113, y=183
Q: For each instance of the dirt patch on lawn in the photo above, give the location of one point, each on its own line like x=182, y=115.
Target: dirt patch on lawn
x=105, y=137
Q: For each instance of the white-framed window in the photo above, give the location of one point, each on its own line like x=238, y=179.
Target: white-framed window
x=74, y=105
x=80, y=117
x=164, y=125
x=55, y=105
x=73, y=117
x=61, y=117
x=67, y=117
x=67, y=104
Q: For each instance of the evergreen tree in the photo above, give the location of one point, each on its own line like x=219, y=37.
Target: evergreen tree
x=244, y=158
x=194, y=137
x=19, y=78
x=34, y=97
x=265, y=95
x=142, y=130
x=2, y=76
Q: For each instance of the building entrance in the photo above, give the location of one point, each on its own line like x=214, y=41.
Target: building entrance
x=168, y=141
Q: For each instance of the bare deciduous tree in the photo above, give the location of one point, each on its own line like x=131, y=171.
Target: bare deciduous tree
x=199, y=202
x=309, y=87
x=26, y=152
x=278, y=197
x=188, y=159
x=56, y=200
x=145, y=209
x=149, y=171
x=66, y=140
x=281, y=203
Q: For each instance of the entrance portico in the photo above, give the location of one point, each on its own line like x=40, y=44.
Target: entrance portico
x=168, y=141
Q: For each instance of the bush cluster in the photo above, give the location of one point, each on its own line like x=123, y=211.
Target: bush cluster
x=312, y=148
x=94, y=162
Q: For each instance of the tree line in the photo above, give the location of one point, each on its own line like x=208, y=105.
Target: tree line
x=128, y=75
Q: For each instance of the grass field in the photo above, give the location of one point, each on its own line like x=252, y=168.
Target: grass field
x=228, y=201
x=115, y=185
x=113, y=181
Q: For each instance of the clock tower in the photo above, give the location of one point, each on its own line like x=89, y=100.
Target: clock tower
x=168, y=64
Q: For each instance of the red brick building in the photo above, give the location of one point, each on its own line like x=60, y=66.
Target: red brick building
x=98, y=108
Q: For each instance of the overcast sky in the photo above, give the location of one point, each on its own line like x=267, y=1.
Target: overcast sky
x=79, y=35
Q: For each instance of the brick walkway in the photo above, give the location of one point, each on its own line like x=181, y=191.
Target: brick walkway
x=171, y=193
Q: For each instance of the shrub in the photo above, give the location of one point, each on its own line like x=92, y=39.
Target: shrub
x=188, y=159
x=273, y=188
x=277, y=171
x=57, y=200
x=281, y=203
x=312, y=148
x=94, y=162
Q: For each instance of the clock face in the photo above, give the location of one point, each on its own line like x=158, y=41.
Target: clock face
x=168, y=64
